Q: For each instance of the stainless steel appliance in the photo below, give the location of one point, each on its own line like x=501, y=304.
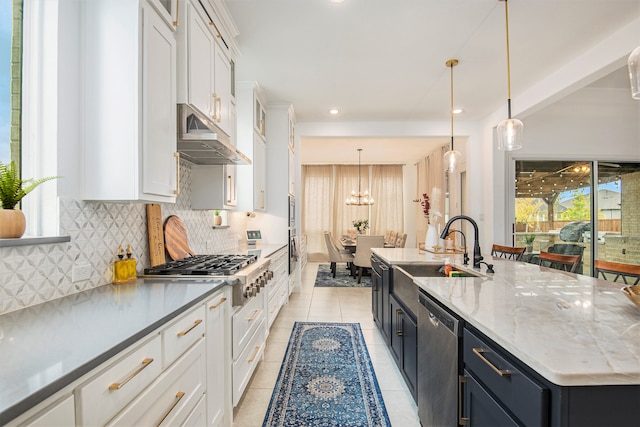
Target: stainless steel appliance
x=439, y=334
x=247, y=274
x=293, y=250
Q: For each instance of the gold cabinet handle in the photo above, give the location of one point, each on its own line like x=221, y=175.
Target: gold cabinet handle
x=214, y=115
x=179, y=396
x=218, y=109
x=222, y=300
x=255, y=354
x=502, y=372
x=145, y=362
x=254, y=315
x=262, y=127
x=262, y=192
x=461, y=420
x=229, y=183
x=177, y=190
x=196, y=323
x=398, y=314
x=177, y=21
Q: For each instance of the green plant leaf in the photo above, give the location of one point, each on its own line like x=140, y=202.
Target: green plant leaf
x=12, y=188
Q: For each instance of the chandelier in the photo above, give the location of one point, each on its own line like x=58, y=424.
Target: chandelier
x=358, y=198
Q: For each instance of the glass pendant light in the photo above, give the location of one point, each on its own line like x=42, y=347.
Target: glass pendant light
x=452, y=157
x=509, y=131
x=634, y=72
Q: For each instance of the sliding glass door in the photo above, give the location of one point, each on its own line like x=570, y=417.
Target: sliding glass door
x=556, y=210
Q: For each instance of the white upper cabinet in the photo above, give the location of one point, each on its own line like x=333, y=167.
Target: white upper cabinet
x=251, y=140
x=204, y=66
x=129, y=62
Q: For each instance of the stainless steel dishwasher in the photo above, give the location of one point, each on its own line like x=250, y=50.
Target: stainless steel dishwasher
x=439, y=334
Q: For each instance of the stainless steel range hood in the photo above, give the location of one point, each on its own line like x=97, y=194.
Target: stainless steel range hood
x=202, y=142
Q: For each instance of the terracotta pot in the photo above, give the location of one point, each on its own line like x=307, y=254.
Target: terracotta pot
x=217, y=220
x=12, y=223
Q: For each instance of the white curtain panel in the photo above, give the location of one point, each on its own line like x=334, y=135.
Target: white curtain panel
x=325, y=189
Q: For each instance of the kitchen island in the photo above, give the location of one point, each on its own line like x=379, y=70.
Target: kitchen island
x=568, y=331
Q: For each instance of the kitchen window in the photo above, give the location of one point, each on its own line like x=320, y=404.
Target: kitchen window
x=10, y=79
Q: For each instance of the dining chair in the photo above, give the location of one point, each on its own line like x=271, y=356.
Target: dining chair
x=391, y=240
x=387, y=237
x=335, y=254
x=508, y=252
x=608, y=269
x=362, y=257
x=401, y=240
x=560, y=262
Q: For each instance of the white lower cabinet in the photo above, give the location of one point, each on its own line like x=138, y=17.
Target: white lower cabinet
x=103, y=395
x=198, y=417
x=59, y=414
x=247, y=360
x=182, y=333
x=218, y=407
x=171, y=398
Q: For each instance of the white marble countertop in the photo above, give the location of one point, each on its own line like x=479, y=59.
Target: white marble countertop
x=47, y=346
x=572, y=329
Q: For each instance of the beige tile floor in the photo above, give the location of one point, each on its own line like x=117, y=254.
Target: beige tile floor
x=325, y=305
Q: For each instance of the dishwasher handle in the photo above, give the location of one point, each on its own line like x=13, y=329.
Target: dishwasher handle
x=437, y=315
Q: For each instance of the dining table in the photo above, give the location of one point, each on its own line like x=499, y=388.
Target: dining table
x=349, y=244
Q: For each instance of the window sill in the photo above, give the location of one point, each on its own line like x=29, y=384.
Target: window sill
x=41, y=240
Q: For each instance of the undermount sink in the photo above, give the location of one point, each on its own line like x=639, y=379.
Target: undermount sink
x=433, y=270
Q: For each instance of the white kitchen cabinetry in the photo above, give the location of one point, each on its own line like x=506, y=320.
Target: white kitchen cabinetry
x=129, y=58
x=59, y=414
x=213, y=187
x=276, y=289
x=251, y=140
x=248, y=336
x=173, y=396
x=204, y=66
x=281, y=165
x=219, y=409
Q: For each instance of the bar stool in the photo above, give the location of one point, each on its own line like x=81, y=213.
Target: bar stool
x=560, y=262
x=617, y=269
x=508, y=252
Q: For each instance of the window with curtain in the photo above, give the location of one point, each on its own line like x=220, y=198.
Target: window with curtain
x=325, y=188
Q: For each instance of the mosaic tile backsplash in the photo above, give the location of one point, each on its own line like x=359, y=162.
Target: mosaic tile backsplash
x=30, y=275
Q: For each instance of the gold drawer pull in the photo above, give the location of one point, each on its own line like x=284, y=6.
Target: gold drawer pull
x=177, y=21
x=222, y=300
x=502, y=372
x=117, y=386
x=254, y=315
x=179, y=396
x=255, y=353
x=461, y=420
x=196, y=323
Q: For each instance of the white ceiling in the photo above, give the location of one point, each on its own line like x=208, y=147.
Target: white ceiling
x=384, y=60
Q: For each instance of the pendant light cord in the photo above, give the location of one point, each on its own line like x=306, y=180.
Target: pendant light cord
x=451, y=66
x=506, y=14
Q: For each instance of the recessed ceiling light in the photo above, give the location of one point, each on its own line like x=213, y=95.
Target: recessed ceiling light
x=334, y=111
x=457, y=111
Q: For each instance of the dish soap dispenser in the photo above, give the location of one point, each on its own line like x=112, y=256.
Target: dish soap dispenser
x=124, y=270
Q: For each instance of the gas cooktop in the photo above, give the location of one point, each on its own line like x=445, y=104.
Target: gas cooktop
x=203, y=265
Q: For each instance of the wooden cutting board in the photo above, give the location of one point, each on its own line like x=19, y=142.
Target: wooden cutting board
x=156, y=237
x=175, y=238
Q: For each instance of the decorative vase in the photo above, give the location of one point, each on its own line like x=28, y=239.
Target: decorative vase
x=12, y=223
x=431, y=239
x=217, y=220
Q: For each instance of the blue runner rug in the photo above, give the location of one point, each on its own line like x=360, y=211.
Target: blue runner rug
x=324, y=278
x=326, y=379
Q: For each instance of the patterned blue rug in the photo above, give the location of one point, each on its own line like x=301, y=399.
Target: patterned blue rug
x=343, y=279
x=326, y=379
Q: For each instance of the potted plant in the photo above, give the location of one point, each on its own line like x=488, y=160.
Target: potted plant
x=12, y=190
x=529, y=238
x=361, y=225
x=217, y=219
